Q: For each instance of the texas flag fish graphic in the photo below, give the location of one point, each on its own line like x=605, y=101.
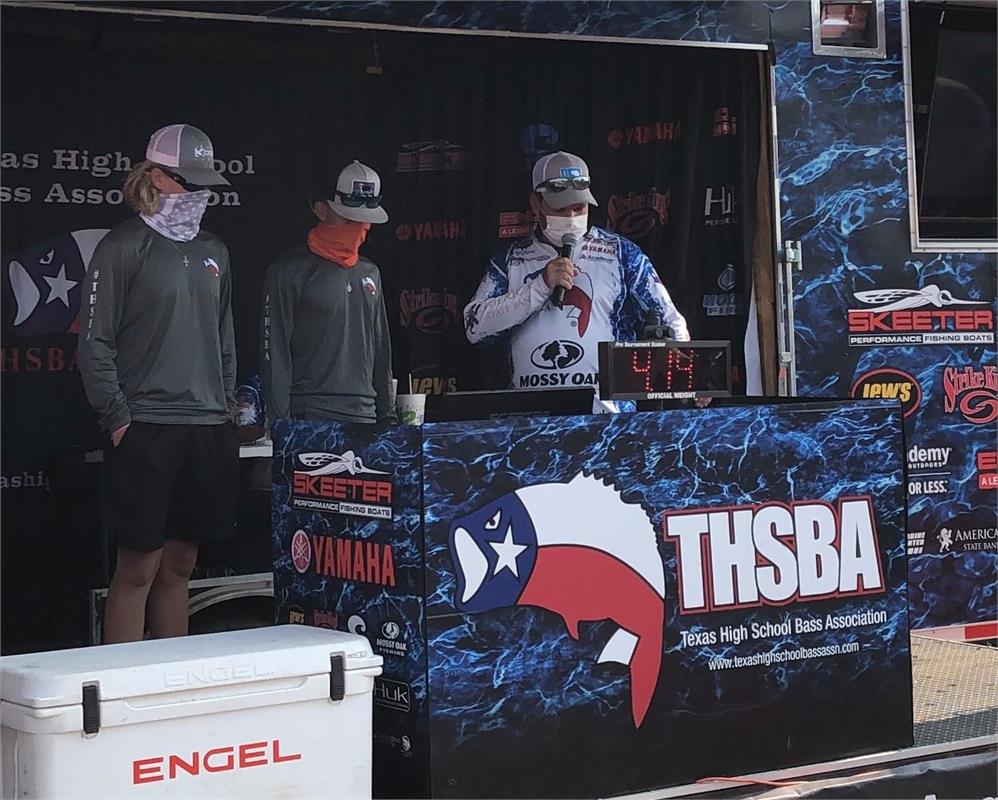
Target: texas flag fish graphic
x=576, y=549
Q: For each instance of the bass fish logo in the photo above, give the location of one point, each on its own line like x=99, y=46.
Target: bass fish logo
x=45, y=283
x=576, y=549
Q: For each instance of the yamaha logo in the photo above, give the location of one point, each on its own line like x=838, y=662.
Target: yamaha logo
x=559, y=354
x=301, y=551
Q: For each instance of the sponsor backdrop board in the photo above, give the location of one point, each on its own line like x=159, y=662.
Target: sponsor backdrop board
x=604, y=595
x=348, y=555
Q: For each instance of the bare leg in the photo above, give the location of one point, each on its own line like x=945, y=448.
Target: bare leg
x=125, y=610
x=168, y=598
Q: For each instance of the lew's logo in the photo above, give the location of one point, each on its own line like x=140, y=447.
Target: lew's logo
x=356, y=560
x=428, y=310
x=972, y=392
x=559, y=354
x=644, y=134
x=341, y=484
x=635, y=214
x=889, y=384
x=773, y=554
x=431, y=156
x=918, y=316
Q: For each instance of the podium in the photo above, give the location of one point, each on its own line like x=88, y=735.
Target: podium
x=595, y=605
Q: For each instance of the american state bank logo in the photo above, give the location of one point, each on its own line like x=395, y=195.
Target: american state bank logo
x=46, y=283
x=578, y=550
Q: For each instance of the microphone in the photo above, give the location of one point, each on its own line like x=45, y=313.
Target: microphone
x=568, y=244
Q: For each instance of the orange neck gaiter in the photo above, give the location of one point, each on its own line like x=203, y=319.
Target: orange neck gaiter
x=338, y=243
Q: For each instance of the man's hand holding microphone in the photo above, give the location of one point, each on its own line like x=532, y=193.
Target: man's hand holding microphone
x=559, y=274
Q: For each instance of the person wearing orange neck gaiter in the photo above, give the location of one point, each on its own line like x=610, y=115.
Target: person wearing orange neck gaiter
x=326, y=351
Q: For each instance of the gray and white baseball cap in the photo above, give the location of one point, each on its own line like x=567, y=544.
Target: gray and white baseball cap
x=563, y=180
x=187, y=151
x=358, y=194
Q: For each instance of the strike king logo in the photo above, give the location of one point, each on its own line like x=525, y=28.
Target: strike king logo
x=889, y=384
x=636, y=214
x=661, y=131
x=437, y=155
x=341, y=484
x=972, y=392
x=987, y=469
x=354, y=560
x=578, y=550
x=428, y=310
x=725, y=123
x=773, y=553
x=919, y=316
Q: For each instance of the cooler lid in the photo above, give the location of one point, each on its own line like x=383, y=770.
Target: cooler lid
x=161, y=666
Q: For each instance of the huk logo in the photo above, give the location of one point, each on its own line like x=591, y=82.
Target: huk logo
x=929, y=315
x=341, y=484
x=426, y=231
x=773, y=554
x=45, y=283
x=428, y=310
x=636, y=214
x=644, y=134
x=725, y=123
x=436, y=155
x=972, y=392
x=369, y=285
x=889, y=384
x=559, y=354
x=719, y=206
x=212, y=266
x=578, y=550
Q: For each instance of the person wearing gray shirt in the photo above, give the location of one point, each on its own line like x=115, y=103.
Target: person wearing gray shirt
x=326, y=351
x=158, y=363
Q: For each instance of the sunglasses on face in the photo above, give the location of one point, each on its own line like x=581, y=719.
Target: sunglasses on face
x=561, y=184
x=358, y=200
x=185, y=184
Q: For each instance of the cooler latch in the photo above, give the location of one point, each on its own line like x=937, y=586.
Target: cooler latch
x=91, y=709
x=337, y=678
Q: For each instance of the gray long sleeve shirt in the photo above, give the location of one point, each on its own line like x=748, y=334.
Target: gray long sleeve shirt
x=326, y=350
x=156, y=340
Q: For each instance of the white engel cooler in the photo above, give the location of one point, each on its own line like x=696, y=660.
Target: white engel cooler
x=282, y=712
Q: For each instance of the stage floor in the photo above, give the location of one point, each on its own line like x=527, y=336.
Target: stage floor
x=956, y=690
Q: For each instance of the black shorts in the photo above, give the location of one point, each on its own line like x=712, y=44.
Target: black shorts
x=171, y=482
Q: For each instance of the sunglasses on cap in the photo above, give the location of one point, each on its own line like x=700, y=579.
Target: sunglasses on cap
x=358, y=200
x=185, y=184
x=561, y=184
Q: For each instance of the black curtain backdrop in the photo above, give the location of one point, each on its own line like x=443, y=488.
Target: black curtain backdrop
x=452, y=123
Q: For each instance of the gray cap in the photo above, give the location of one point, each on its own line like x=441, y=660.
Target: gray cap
x=562, y=166
x=358, y=181
x=188, y=151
